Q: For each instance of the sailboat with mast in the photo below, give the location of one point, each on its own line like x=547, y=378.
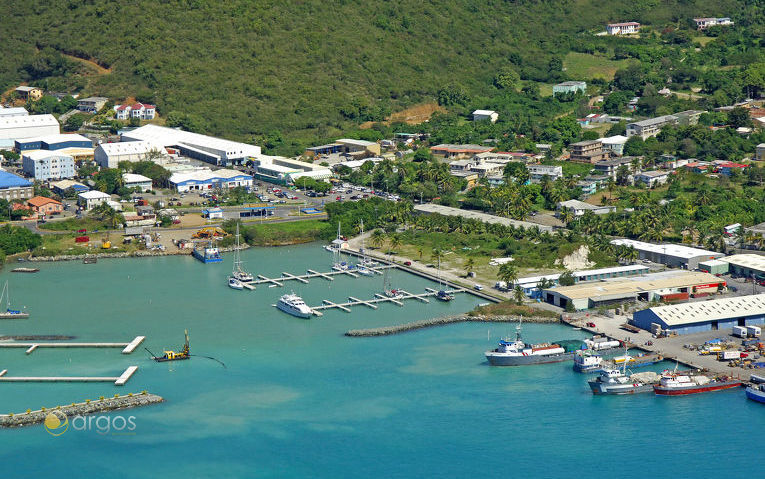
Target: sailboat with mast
x=363, y=267
x=239, y=277
x=442, y=294
x=337, y=263
x=388, y=290
x=10, y=313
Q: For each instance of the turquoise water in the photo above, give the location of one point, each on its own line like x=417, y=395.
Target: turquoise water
x=298, y=399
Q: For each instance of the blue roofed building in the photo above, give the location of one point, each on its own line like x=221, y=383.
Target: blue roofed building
x=14, y=187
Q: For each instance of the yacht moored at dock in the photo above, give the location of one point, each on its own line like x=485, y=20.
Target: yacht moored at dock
x=294, y=305
x=518, y=353
x=235, y=283
x=10, y=313
x=237, y=273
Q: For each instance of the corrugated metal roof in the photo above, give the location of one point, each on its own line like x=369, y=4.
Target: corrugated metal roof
x=751, y=261
x=713, y=310
x=647, y=283
x=9, y=180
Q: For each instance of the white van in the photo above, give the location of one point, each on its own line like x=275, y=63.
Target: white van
x=753, y=331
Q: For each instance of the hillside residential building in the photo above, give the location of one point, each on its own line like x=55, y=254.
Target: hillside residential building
x=18, y=127
x=201, y=180
x=590, y=151
x=625, y=28
x=14, y=187
x=131, y=180
x=650, y=127
x=610, y=167
x=614, y=144
x=570, y=87
x=704, y=23
x=538, y=172
x=580, y=207
x=482, y=115
x=45, y=165
x=141, y=111
x=29, y=93
x=91, y=104
x=651, y=178
x=459, y=151
x=45, y=206
x=91, y=199
x=759, y=153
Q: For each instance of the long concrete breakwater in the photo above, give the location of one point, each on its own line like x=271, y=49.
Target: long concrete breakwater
x=124, y=254
x=102, y=404
x=428, y=323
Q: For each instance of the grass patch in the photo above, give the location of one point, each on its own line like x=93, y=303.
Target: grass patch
x=570, y=168
x=64, y=245
x=75, y=224
x=585, y=66
x=510, y=308
x=292, y=232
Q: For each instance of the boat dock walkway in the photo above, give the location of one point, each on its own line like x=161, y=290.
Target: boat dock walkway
x=378, y=299
x=303, y=278
x=118, y=381
x=31, y=347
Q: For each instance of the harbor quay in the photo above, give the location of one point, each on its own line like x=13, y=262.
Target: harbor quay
x=671, y=347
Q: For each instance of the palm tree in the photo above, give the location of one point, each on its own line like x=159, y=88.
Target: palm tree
x=469, y=264
x=419, y=252
x=377, y=238
x=518, y=295
x=508, y=273
x=395, y=242
x=565, y=215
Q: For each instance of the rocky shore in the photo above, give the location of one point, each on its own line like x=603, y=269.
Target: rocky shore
x=428, y=323
x=131, y=254
x=29, y=418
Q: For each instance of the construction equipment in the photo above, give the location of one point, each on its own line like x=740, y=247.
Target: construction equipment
x=172, y=355
x=210, y=232
x=106, y=244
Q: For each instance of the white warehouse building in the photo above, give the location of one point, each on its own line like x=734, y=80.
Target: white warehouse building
x=670, y=254
x=209, y=149
x=202, y=180
x=108, y=155
x=31, y=126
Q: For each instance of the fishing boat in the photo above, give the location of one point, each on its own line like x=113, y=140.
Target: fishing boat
x=756, y=392
x=237, y=273
x=519, y=353
x=587, y=360
x=615, y=381
x=673, y=383
x=235, y=283
x=294, y=305
x=10, y=313
x=25, y=270
x=206, y=253
x=172, y=355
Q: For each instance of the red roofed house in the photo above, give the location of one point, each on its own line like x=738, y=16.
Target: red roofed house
x=727, y=168
x=142, y=111
x=44, y=206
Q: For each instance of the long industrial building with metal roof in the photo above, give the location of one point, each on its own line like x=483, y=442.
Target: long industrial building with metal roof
x=748, y=265
x=704, y=315
x=664, y=286
x=679, y=256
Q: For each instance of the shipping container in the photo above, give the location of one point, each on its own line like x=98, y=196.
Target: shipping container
x=753, y=331
x=728, y=355
x=740, y=331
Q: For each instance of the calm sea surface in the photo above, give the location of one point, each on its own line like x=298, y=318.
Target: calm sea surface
x=298, y=399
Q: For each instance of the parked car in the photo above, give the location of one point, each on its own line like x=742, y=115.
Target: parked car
x=407, y=263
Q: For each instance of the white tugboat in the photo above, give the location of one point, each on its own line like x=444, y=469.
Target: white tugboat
x=294, y=305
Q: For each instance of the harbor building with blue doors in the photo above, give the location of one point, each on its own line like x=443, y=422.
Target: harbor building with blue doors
x=704, y=315
x=53, y=142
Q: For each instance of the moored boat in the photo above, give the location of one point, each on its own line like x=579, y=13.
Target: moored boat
x=679, y=384
x=519, y=353
x=25, y=270
x=637, y=361
x=208, y=253
x=756, y=392
x=444, y=295
x=237, y=273
x=294, y=305
x=616, y=382
x=10, y=313
x=587, y=360
x=235, y=283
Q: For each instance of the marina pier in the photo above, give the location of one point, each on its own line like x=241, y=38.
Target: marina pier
x=117, y=380
x=378, y=299
x=31, y=347
x=303, y=278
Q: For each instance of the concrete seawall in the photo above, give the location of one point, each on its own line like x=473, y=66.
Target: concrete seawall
x=29, y=418
x=428, y=323
x=133, y=254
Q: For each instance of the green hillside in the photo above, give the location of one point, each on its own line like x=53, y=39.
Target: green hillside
x=309, y=69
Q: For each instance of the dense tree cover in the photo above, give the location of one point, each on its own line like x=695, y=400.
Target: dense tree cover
x=15, y=239
x=254, y=69
x=160, y=177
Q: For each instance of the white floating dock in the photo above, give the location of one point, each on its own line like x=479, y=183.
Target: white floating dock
x=292, y=276
x=365, y=303
x=320, y=275
x=31, y=347
x=118, y=381
x=249, y=286
x=379, y=298
x=133, y=344
x=303, y=278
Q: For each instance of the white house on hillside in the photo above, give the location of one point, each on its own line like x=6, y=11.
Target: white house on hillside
x=481, y=115
x=625, y=28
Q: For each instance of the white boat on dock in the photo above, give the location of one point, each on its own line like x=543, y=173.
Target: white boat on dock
x=10, y=313
x=239, y=277
x=294, y=305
